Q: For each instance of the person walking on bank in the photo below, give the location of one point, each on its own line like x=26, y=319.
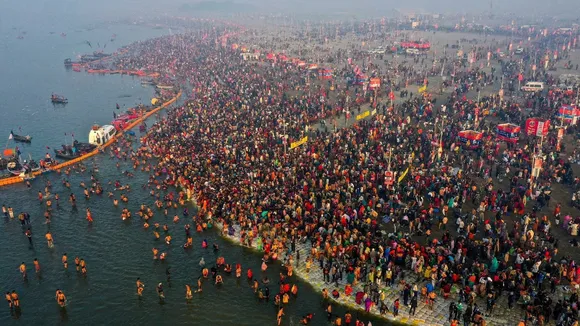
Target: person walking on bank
x=413, y=307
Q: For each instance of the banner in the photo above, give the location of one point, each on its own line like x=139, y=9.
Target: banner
x=422, y=89
x=508, y=132
x=363, y=115
x=568, y=112
x=375, y=83
x=299, y=142
x=537, y=127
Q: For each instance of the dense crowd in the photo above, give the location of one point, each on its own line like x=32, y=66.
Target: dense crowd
x=468, y=222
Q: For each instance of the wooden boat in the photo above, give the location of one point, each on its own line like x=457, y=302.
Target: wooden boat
x=17, y=168
x=58, y=99
x=21, y=139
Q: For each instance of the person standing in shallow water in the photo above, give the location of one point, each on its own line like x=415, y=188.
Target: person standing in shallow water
x=28, y=234
x=140, y=287
x=60, y=298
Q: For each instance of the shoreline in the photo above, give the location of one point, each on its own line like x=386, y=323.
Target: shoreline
x=17, y=179
x=318, y=285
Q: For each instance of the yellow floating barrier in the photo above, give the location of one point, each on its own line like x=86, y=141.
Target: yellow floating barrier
x=17, y=179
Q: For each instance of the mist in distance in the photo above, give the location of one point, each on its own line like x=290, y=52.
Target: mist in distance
x=49, y=13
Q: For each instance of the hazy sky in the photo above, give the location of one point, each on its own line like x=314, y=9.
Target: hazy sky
x=56, y=12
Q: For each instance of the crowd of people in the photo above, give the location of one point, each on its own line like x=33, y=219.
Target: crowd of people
x=448, y=216
x=373, y=200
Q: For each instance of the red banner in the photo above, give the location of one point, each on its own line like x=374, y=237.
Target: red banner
x=416, y=45
x=375, y=83
x=537, y=127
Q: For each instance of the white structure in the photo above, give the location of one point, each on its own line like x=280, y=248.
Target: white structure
x=100, y=135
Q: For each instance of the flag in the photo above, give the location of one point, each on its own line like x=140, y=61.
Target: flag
x=402, y=176
x=422, y=89
x=11, y=135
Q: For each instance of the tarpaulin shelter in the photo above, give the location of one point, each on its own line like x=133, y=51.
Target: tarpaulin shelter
x=508, y=132
x=470, y=138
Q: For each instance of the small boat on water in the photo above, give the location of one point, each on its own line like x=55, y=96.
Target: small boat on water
x=85, y=58
x=77, y=149
x=69, y=63
x=148, y=82
x=26, y=167
x=58, y=99
x=100, y=135
x=164, y=86
x=21, y=139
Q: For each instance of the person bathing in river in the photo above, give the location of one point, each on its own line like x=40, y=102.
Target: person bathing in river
x=199, y=289
x=89, y=215
x=188, y=294
x=49, y=240
x=160, y=291
x=140, y=286
x=22, y=269
x=60, y=298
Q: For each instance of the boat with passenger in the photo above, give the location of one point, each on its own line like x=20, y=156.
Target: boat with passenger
x=77, y=149
x=99, y=135
x=16, y=167
x=20, y=138
x=58, y=99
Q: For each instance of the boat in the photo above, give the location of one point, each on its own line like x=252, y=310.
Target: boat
x=164, y=86
x=85, y=58
x=100, y=135
x=21, y=139
x=26, y=167
x=148, y=82
x=58, y=99
x=69, y=63
x=77, y=149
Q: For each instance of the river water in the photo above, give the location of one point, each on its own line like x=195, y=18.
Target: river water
x=116, y=252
